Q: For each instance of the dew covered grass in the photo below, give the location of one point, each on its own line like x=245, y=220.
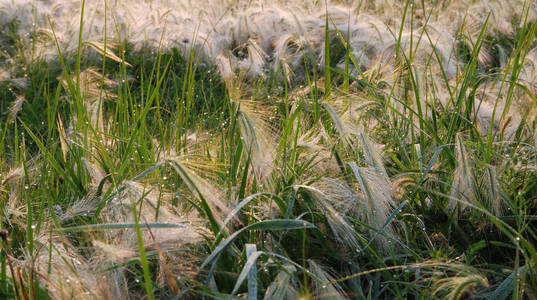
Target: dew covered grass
x=268, y=149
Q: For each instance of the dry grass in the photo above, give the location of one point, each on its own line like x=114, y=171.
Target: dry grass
x=173, y=131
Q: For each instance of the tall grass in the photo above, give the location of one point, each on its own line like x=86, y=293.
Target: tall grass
x=377, y=159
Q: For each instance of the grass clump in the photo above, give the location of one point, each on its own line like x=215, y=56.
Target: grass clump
x=387, y=159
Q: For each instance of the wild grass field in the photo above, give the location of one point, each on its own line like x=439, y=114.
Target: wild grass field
x=284, y=149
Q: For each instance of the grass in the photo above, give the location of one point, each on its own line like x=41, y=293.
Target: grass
x=145, y=173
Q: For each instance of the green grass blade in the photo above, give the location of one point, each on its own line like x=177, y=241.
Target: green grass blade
x=249, y=270
x=284, y=224
x=148, y=283
x=117, y=226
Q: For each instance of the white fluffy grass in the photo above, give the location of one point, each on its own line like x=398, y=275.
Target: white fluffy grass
x=255, y=37
x=252, y=35
x=70, y=274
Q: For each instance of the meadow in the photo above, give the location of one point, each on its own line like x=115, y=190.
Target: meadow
x=284, y=149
